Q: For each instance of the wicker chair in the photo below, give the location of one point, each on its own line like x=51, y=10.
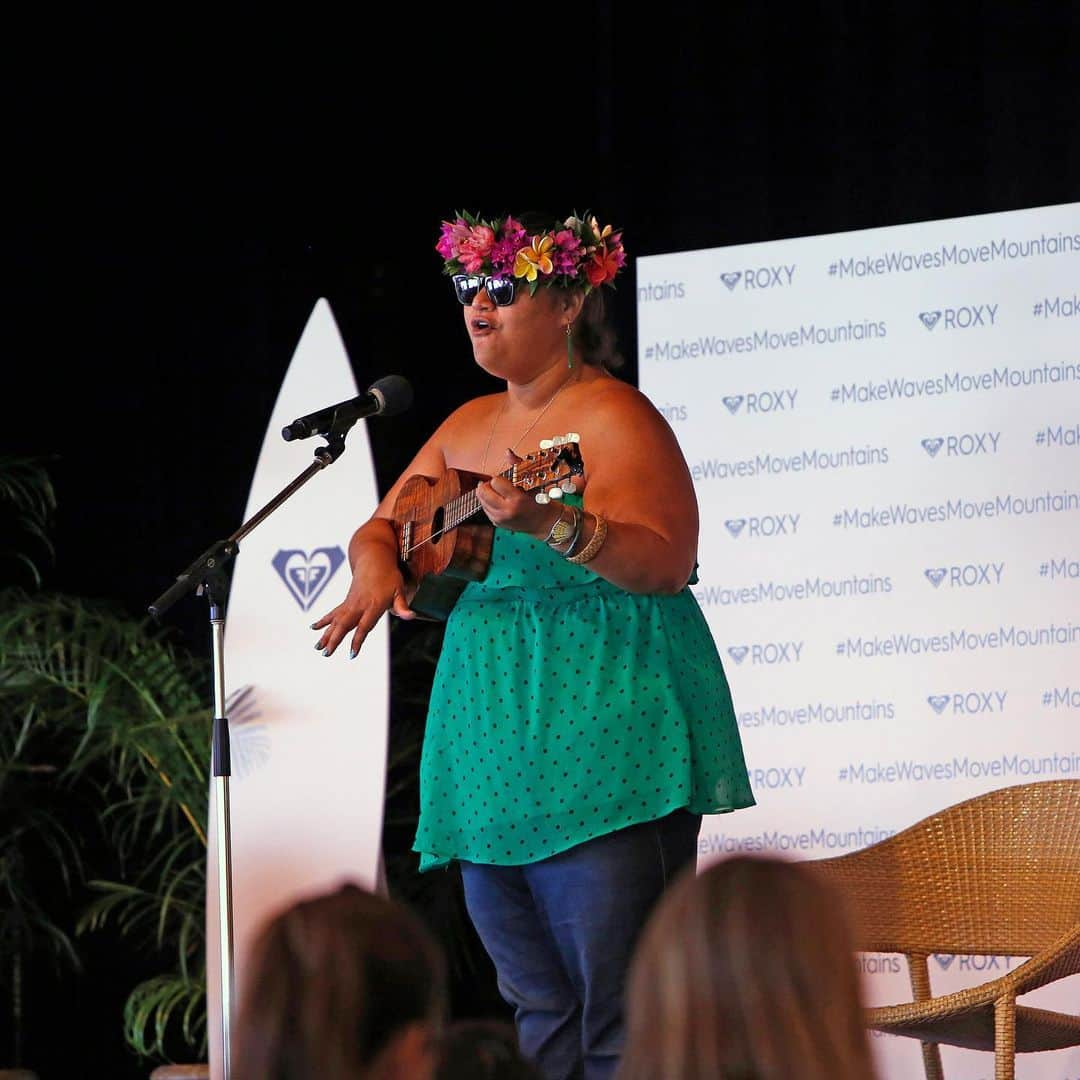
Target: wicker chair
x=996, y=875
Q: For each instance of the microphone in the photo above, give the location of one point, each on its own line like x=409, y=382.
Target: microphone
x=387, y=396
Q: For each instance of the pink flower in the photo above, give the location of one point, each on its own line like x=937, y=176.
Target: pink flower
x=567, y=253
x=451, y=236
x=504, y=251
x=476, y=247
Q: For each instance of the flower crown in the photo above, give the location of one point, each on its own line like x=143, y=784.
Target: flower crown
x=574, y=254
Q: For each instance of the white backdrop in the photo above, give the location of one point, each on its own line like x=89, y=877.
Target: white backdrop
x=308, y=732
x=884, y=432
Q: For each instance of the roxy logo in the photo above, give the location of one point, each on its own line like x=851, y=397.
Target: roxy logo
x=759, y=278
x=768, y=652
x=766, y=525
x=969, y=703
x=786, y=777
x=965, y=576
x=761, y=401
x=976, y=963
x=961, y=318
x=307, y=575
x=969, y=444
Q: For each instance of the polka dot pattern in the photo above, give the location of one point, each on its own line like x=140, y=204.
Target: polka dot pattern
x=564, y=708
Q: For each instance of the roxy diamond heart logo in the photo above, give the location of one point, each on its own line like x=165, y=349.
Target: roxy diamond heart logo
x=732, y=403
x=731, y=279
x=306, y=575
x=932, y=446
x=938, y=702
x=738, y=652
x=929, y=319
x=735, y=526
x=936, y=575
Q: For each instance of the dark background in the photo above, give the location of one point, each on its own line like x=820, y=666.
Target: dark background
x=184, y=192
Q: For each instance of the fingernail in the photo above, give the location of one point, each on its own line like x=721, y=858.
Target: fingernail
x=318, y=646
x=354, y=653
x=326, y=652
x=312, y=627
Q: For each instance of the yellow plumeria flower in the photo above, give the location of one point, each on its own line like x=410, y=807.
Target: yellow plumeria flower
x=535, y=259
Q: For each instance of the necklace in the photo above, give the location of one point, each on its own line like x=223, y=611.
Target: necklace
x=535, y=420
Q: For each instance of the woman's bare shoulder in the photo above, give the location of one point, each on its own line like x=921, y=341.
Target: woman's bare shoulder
x=617, y=398
x=468, y=413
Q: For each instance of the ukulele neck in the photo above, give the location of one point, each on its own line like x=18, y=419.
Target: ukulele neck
x=467, y=505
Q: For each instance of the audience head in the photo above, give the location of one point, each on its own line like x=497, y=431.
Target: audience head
x=482, y=1050
x=746, y=971
x=341, y=985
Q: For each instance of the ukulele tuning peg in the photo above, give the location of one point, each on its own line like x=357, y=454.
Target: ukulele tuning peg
x=558, y=440
x=555, y=492
x=567, y=485
x=546, y=444
x=542, y=497
x=573, y=436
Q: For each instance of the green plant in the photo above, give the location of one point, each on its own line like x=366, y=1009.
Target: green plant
x=102, y=728
x=137, y=745
x=27, y=502
x=38, y=849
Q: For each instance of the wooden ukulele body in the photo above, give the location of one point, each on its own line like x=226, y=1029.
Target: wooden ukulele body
x=439, y=561
x=444, y=538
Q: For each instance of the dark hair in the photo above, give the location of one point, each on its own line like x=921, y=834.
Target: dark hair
x=746, y=970
x=329, y=982
x=482, y=1050
x=594, y=337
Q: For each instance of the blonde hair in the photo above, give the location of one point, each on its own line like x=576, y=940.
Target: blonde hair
x=330, y=981
x=746, y=971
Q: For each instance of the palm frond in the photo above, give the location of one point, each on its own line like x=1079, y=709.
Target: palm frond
x=114, y=711
x=164, y=1005
x=27, y=502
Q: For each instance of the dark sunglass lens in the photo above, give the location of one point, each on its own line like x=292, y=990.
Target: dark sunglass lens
x=466, y=287
x=501, y=291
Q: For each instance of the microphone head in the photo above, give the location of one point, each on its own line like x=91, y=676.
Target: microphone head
x=393, y=393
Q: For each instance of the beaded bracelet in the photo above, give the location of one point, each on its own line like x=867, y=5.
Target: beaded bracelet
x=596, y=542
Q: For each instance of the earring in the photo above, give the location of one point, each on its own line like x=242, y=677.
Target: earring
x=569, y=348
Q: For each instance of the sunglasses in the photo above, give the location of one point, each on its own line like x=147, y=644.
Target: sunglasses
x=500, y=289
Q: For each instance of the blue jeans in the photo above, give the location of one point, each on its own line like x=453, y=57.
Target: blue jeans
x=561, y=933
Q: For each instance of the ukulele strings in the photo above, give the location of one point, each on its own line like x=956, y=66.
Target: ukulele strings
x=461, y=509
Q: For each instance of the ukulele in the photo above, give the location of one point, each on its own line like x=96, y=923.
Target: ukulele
x=444, y=538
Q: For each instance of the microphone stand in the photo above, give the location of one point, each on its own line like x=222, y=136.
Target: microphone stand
x=206, y=577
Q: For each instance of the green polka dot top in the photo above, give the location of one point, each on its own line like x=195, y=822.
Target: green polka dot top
x=564, y=708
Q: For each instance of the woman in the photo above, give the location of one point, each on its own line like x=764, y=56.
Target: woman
x=580, y=723
x=342, y=986
x=746, y=972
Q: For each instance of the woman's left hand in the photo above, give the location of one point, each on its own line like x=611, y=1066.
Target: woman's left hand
x=508, y=507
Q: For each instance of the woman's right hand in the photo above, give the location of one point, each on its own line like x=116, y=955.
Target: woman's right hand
x=377, y=587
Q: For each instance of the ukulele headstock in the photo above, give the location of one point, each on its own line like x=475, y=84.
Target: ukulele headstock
x=550, y=471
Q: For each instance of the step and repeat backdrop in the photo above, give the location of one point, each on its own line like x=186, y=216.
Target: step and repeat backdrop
x=883, y=428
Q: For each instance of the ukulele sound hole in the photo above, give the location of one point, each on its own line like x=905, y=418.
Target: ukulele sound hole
x=437, y=525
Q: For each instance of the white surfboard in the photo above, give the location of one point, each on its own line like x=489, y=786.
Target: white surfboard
x=308, y=732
